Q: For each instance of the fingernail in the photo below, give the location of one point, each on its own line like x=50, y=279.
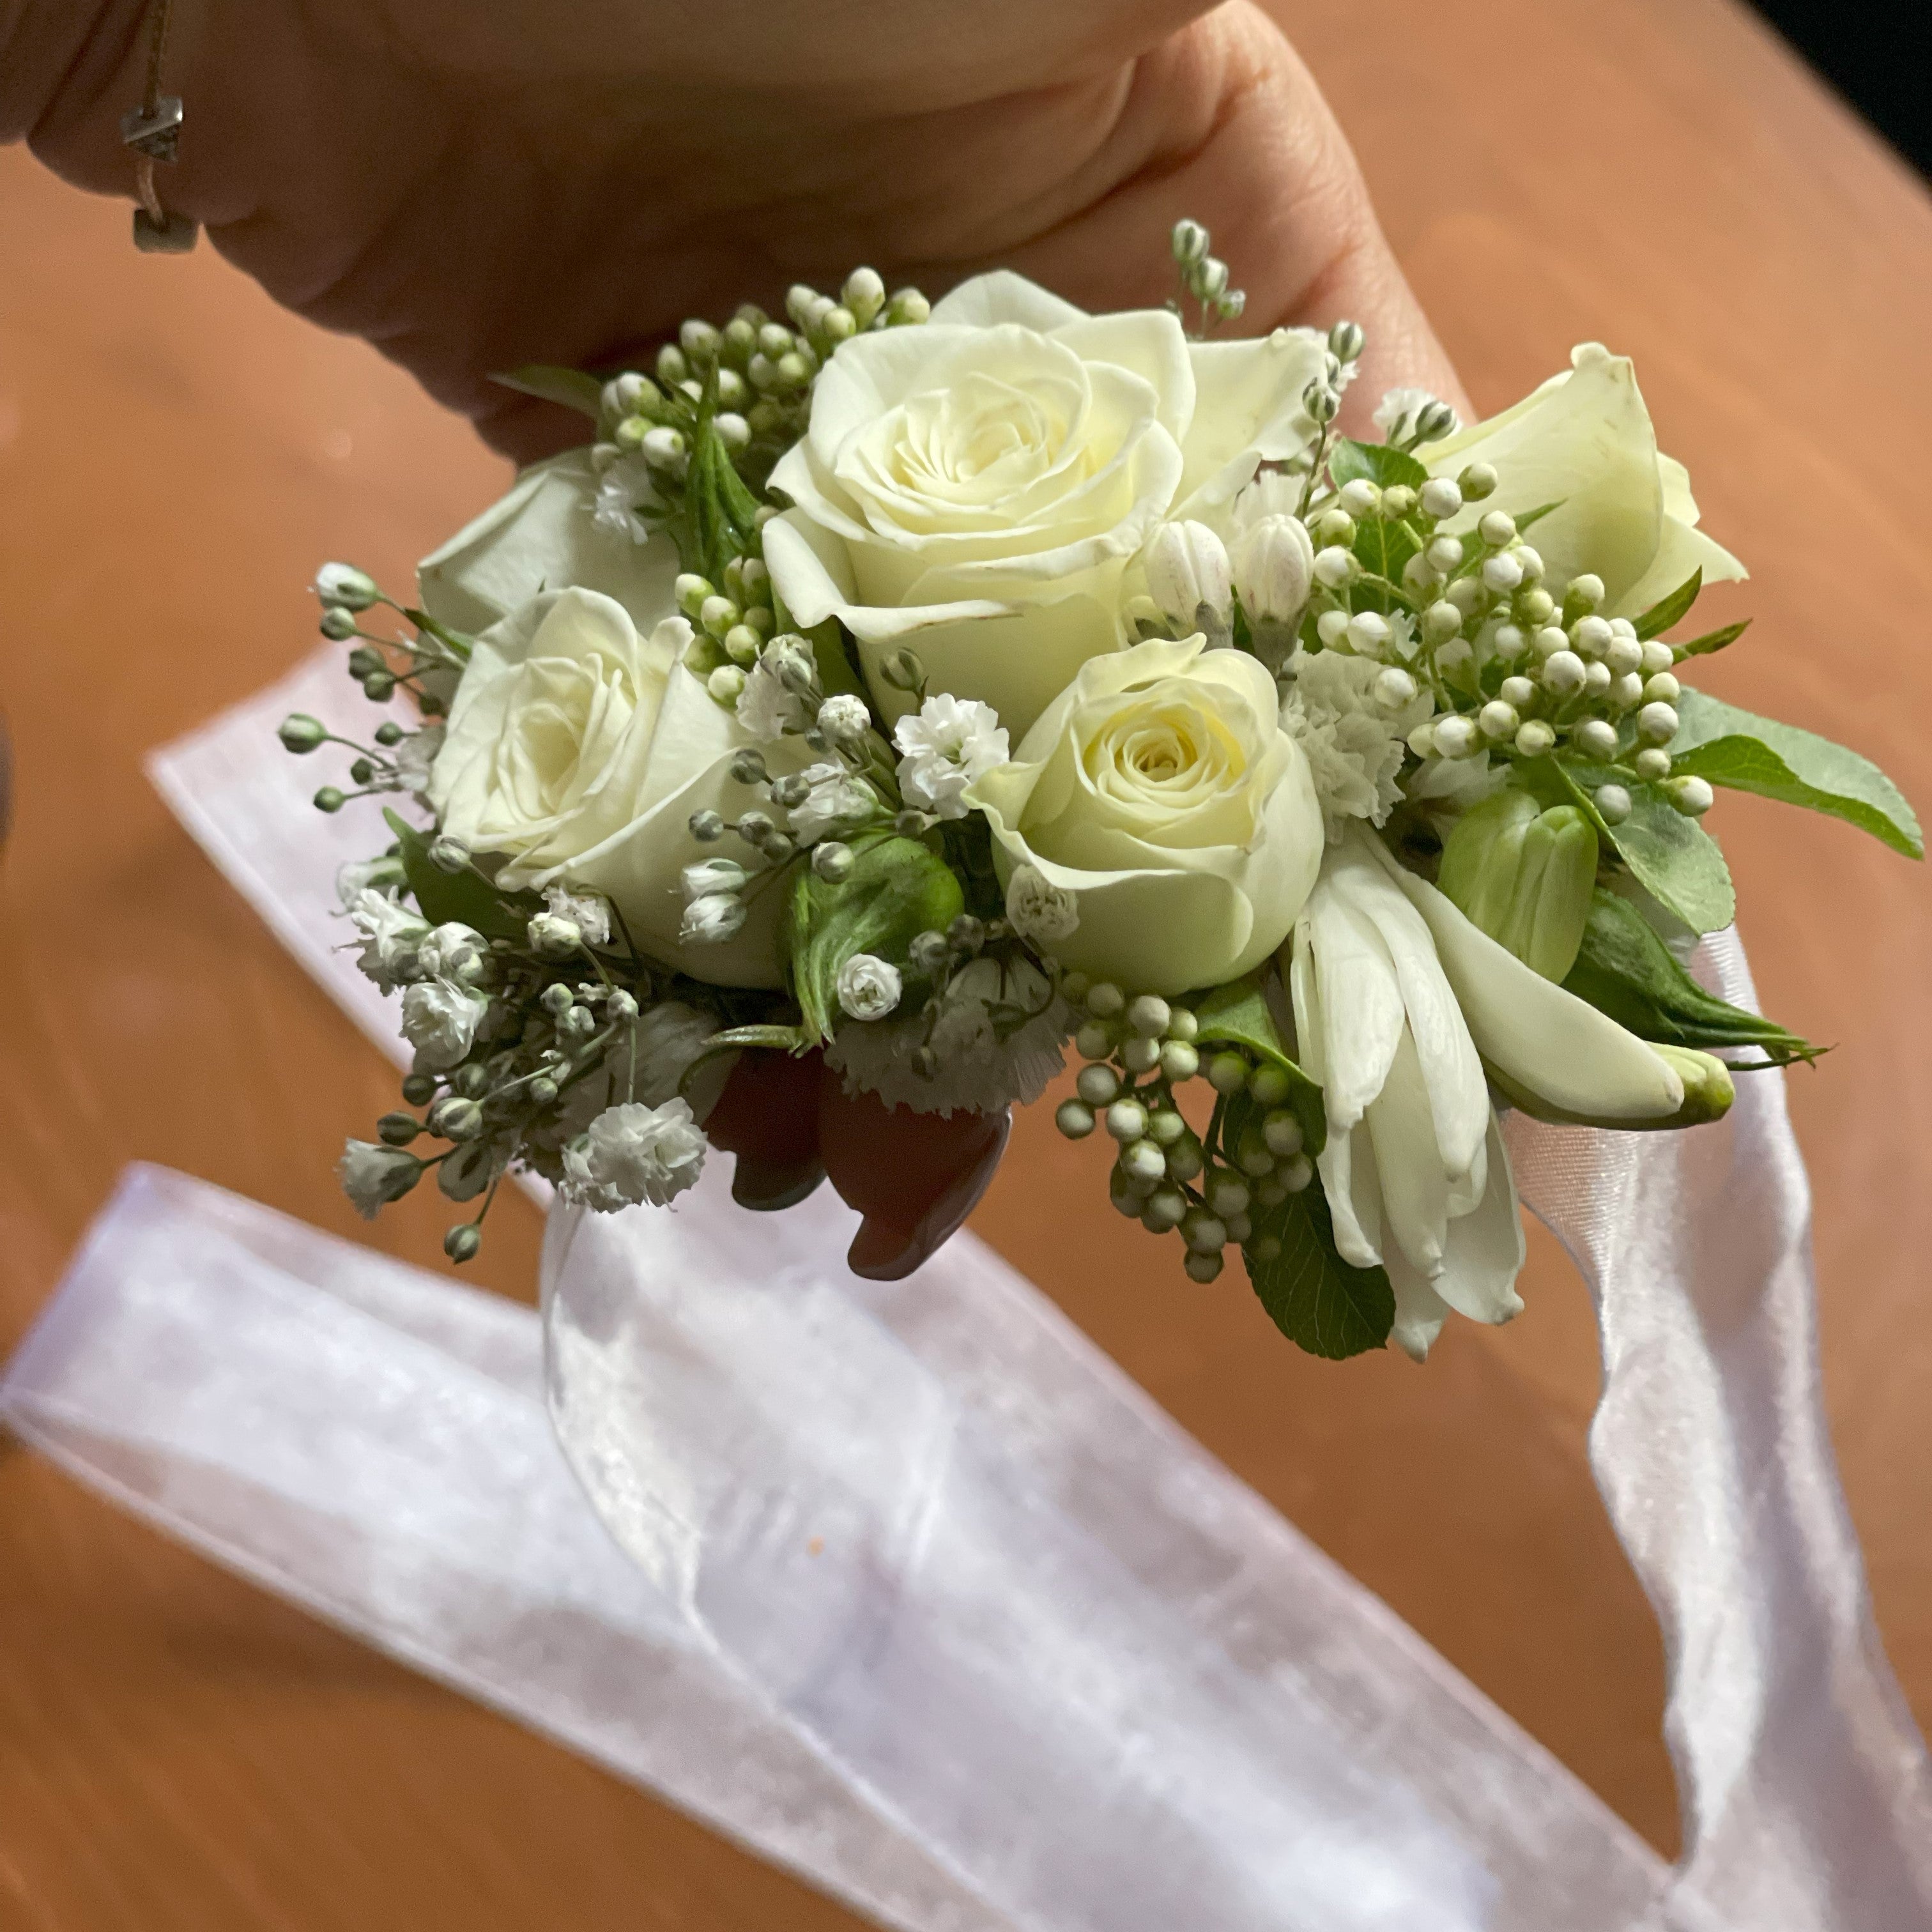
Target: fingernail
x=883, y=1251
x=765, y=1187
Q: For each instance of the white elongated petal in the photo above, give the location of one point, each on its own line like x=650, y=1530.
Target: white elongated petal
x=1361, y=1017
x=1483, y=1256
x=1486, y=1250
x=542, y=536
x=1451, y=1069
x=1420, y=1312
x=1548, y=1041
x=1349, y=1179
x=1001, y=295
x=1415, y=1185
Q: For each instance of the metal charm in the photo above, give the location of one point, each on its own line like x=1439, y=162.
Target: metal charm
x=154, y=131
x=173, y=234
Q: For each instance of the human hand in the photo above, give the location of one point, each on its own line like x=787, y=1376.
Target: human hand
x=473, y=186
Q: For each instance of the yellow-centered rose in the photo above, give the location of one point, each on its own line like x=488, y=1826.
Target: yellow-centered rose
x=975, y=488
x=579, y=749
x=1160, y=792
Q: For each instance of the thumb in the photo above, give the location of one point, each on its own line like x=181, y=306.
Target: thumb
x=1224, y=124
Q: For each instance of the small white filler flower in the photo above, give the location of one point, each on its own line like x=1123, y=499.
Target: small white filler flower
x=945, y=746
x=868, y=987
x=1040, y=910
x=440, y=1017
x=633, y=1154
x=373, y=1176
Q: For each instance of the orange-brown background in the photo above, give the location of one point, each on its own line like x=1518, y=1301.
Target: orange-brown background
x=177, y=1750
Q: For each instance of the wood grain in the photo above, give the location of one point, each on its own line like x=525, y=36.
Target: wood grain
x=177, y=1751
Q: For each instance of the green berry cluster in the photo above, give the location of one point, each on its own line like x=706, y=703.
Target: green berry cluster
x=1206, y=1185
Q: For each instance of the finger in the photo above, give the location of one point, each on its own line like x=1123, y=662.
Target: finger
x=1224, y=123
x=768, y=1117
x=915, y=1178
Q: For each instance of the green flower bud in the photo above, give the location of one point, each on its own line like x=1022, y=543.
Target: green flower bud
x=299, y=732
x=1189, y=241
x=1707, y=1088
x=903, y=670
x=461, y=1242
x=1525, y=877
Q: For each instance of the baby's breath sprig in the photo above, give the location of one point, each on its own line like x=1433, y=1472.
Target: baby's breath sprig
x=425, y=666
x=1204, y=278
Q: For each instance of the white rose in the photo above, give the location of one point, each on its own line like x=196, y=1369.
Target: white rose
x=1159, y=791
x=440, y=1017
x=1584, y=440
x=544, y=535
x=976, y=488
x=580, y=750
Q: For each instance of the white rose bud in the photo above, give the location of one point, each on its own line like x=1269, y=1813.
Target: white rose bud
x=1189, y=578
x=342, y=586
x=552, y=937
x=868, y=988
x=845, y=718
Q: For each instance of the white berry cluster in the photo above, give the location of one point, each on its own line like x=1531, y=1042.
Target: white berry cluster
x=1514, y=665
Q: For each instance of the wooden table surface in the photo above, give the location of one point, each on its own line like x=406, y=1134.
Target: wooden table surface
x=177, y=1751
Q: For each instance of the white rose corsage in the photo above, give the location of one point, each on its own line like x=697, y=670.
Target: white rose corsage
x=892, y=695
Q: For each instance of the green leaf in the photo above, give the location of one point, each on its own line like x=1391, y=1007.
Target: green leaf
x=1676, y=861
x=836, y=671
x=466, y=897
x=1374, y=463
x=1383, y=549
x=1530, y=518
x=1672, y=857
x=1726, y=746
x=1670, y=609
x=736, y=1040
x=897, y=889
x=1238, y=1015
x=722, y=511
x=1311, y=1295
x=1714, y=641
x=1625, y=969
x=571, y=388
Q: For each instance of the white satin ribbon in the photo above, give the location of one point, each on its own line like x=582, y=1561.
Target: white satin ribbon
x=933, y=1606
x=1804, y=1783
